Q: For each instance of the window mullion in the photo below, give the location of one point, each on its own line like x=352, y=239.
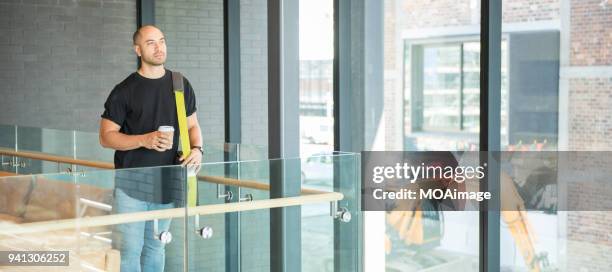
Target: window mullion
x=461, y=87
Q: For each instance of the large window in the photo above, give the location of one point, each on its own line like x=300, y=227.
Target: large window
x=442, y=93
x=450, y=87
x=316, y=77
x=316, y=128
x=446, y=86
x=559, y=100
x=431, y=102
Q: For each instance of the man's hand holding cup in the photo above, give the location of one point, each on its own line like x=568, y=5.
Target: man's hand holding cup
x=160, y=140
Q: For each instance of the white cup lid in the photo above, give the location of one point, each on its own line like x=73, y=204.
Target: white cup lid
x=166, y=128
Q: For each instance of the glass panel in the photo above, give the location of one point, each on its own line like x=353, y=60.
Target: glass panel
x=250, y=181
x=255, y=225
x=209, y=254
x=316, y=77
x=321, y=233
x=432, y=54
x=39, y=199
x=559, y=88
x=6, y=166
x=219, y=152
x=141, y=190
x=91, y=213
x=103, y=218
x=442, y=86
x=7, y=136
x=534, y=242
x=471, y=87
x=246, y=152
x=7, y=142
x=49, y=141
x=87, y=147
x=227, y=228
x=317, y=173
x=316, y=130
x=348, y=236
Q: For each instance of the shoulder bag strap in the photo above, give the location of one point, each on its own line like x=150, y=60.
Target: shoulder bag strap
x=184, y=145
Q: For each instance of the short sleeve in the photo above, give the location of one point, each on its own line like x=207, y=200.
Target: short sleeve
x=190, y=99
x=115, y=107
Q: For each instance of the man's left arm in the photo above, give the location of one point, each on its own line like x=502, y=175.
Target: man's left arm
x=195, y=138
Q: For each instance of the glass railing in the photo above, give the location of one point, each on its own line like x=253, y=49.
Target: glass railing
x=44, y=150
x=67, y=143
x=112, y=220
x=85, y=145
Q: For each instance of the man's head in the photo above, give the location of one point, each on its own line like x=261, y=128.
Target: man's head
x=150, y=45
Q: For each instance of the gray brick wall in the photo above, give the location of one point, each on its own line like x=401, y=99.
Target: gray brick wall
x=254, y=71
x=61, y=58
x=194, y=34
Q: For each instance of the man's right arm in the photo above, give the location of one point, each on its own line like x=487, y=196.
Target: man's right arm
x=110, y=137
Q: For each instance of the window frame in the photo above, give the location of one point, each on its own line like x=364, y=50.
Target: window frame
x=414, y=67
x=413, y=80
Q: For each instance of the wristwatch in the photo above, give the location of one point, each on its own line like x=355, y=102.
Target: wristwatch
x=198, y=148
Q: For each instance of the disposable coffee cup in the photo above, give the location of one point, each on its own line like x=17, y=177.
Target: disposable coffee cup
x=168, y=130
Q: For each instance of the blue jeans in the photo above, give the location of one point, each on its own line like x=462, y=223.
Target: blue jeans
x=140, y=251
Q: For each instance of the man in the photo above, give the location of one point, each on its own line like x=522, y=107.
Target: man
x=133, y=112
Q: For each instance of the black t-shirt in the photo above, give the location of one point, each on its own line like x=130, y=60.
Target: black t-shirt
x=141, y=105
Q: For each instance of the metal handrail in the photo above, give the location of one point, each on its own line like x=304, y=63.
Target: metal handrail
x=113, y=219
x=55, y=158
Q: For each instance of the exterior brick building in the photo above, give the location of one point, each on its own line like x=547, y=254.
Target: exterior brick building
x=583, y=96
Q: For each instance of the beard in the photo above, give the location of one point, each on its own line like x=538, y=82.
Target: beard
x=153, y=61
